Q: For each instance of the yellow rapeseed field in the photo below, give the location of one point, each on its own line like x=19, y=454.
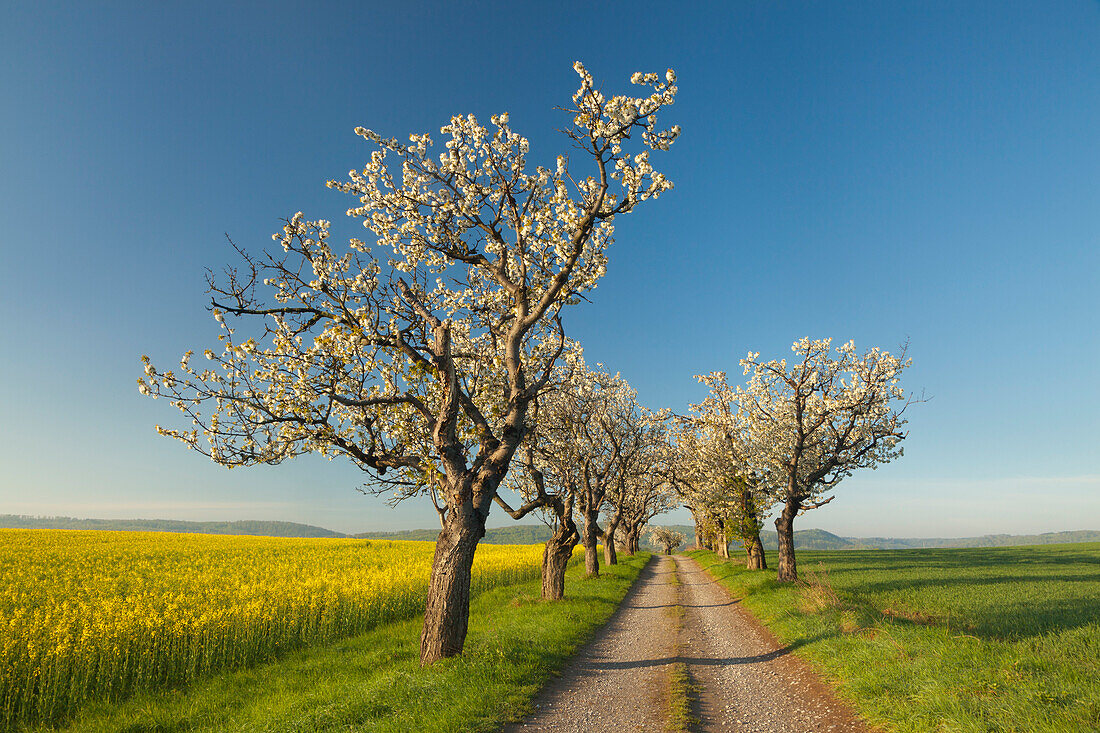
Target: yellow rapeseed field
x=95, y=615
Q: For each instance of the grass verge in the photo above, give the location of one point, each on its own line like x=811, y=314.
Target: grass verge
x=373, y=682
x=681, y=690
x=943, y=640
x=680, y=686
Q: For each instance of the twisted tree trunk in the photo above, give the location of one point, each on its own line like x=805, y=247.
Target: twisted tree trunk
x=610, y=556
x=447, y=612
x=720, y=539
x=555, y=559
x=630, y=539
x=757, y=560
x=750, y=534
x=590, y=539
x=784, y=525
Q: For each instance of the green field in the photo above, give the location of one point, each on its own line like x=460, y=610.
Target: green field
x=997, y=639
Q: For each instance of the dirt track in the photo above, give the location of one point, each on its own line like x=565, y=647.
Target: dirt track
x=746, y=681
x=615, y=683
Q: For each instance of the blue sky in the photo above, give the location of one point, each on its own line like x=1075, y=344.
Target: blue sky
x=877, y=171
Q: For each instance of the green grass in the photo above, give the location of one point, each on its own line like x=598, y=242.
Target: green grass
x=374, y=682
x=681, y=689
x=1004, y=639
x=680, y=719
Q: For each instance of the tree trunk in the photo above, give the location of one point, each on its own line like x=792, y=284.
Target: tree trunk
x=698, y=533
x=668, y=550
x=784, y=525
x=630, y=540
x=590, y=539
x=757, y=559
x=750, y=534
x=555, y=560
x=610, y=557
x=447, y=612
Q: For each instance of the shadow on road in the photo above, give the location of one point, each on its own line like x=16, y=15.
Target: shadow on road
x=707, y=661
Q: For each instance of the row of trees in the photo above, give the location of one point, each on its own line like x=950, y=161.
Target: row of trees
x=593, y=451
x=785, y=438
x=433, y=355
x=430, y=355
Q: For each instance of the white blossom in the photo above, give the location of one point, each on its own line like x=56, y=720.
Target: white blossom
x=471, y=256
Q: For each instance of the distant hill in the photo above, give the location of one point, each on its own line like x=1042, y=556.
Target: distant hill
x=989, y=540
x=804, y=539
x=819, y=539
x=247, y=527
x=413, y=535
x=815, y=539
x=520, y=534
x=534, y=534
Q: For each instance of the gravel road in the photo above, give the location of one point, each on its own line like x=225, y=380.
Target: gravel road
x=746, y=682
x=617, y=680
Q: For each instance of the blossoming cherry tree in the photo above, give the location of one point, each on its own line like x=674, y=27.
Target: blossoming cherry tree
x=814, y=421
x=420, y=367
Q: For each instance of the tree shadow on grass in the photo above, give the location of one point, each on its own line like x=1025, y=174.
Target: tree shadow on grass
x=1028, y=619
x=920, y=559
x=997, y=593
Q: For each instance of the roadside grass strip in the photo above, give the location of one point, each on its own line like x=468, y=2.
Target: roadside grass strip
x=992, y=639
x=681, y=689
x=680, y=719
x=374, y=682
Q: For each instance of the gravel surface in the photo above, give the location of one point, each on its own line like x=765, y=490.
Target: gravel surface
x=747, y=680
x=617, y=680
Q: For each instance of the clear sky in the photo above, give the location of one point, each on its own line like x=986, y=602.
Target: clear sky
x=877, y=171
